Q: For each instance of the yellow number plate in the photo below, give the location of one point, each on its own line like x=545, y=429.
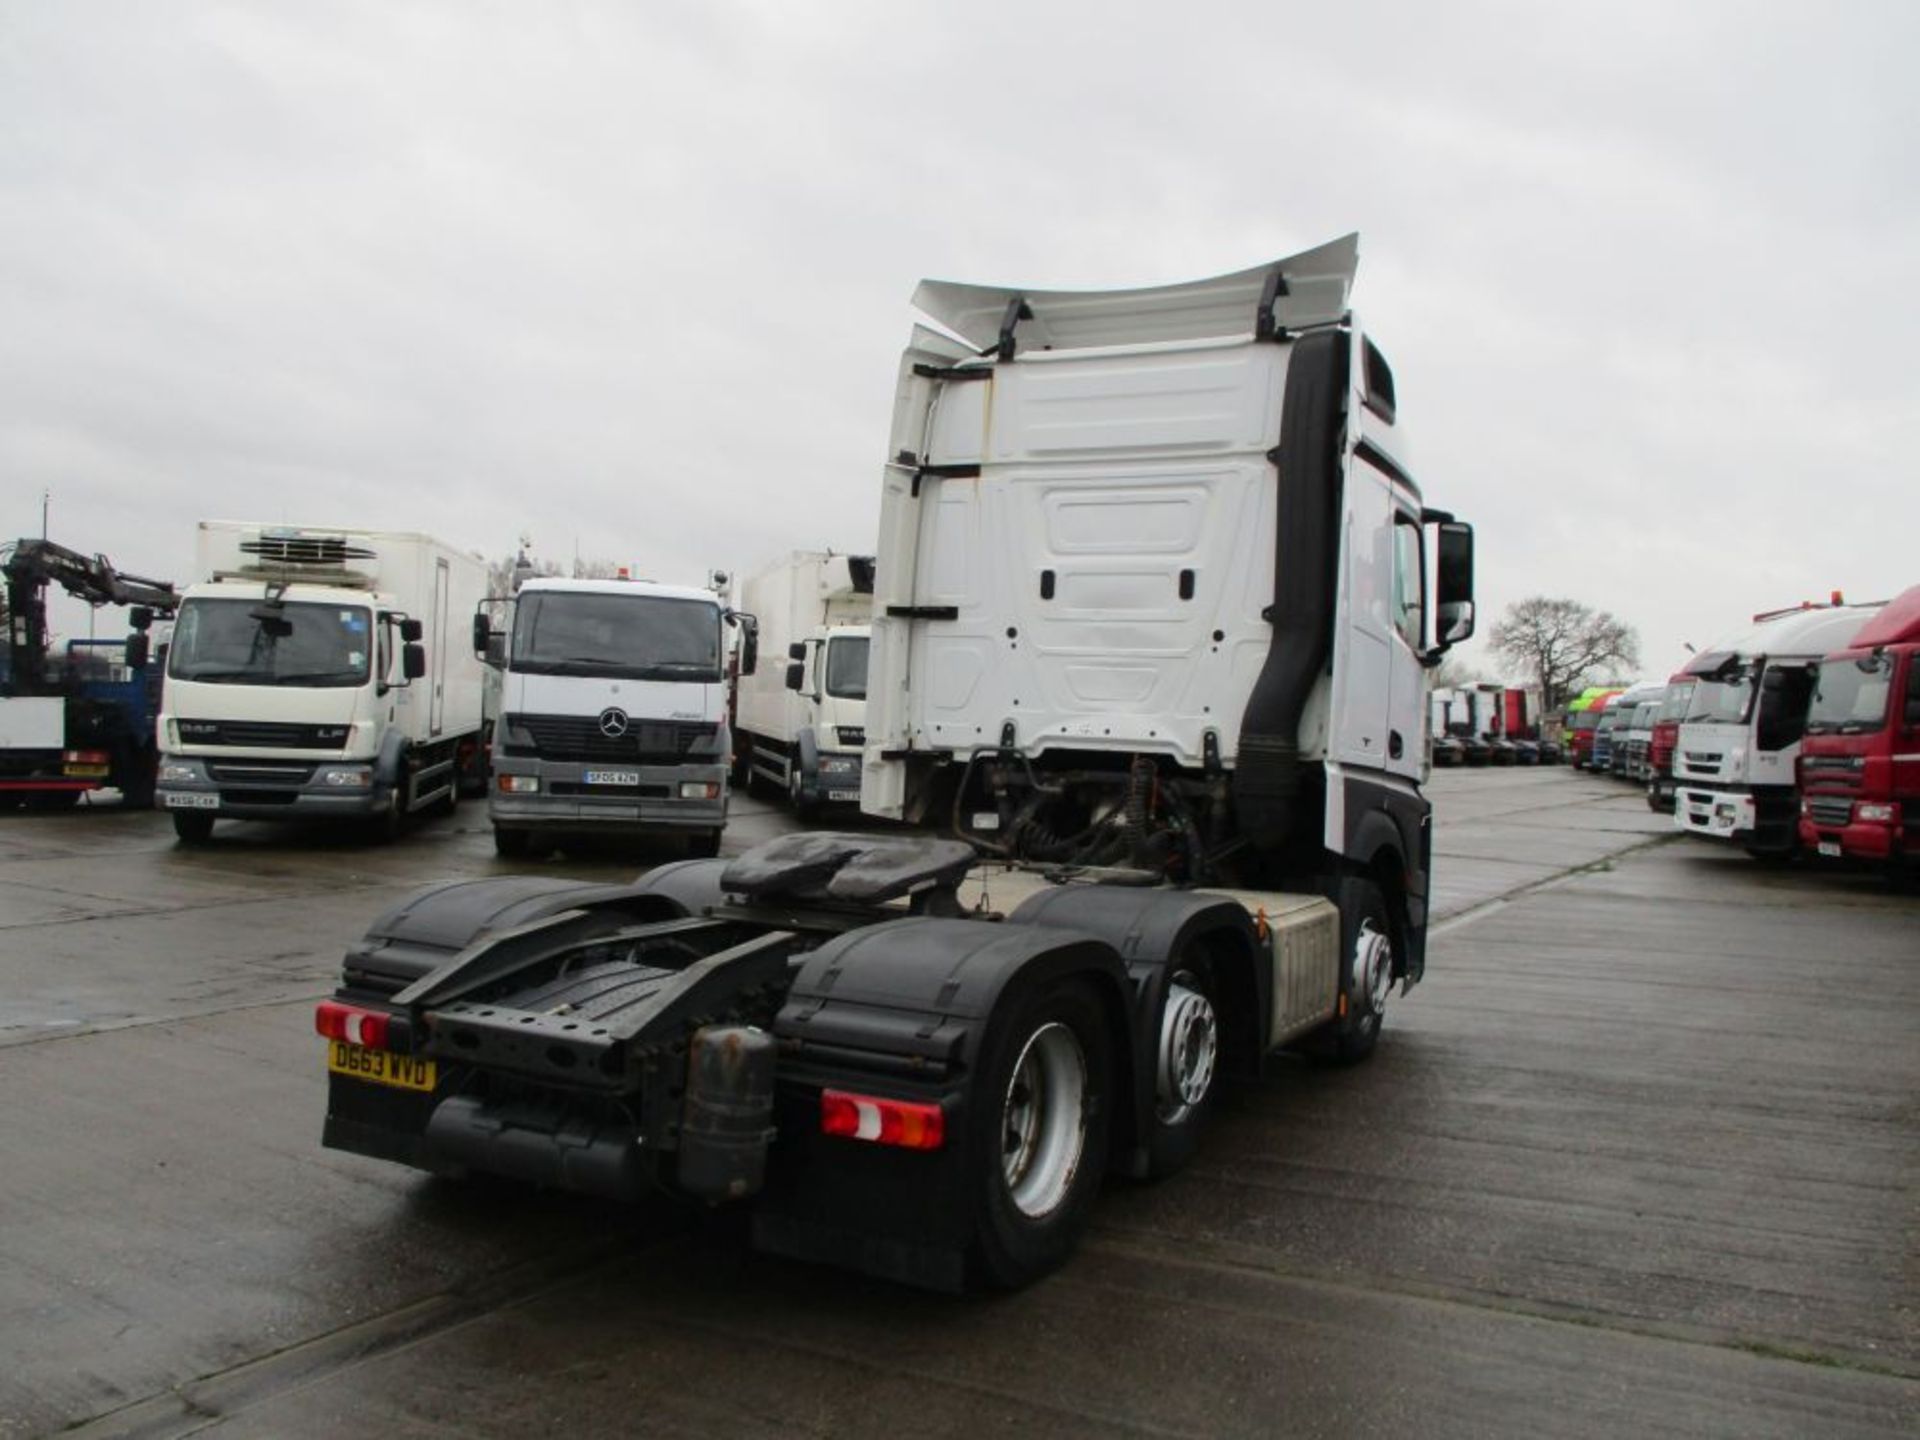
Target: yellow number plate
x=403, y=1072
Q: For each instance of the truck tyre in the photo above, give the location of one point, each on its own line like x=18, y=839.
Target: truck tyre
x=1366, y=973
x=142, y=769
x=192, y=827
x=803, y=808
x=1186, y=1066
x=510, y=844
x=703, y=845
x=1039, y=1138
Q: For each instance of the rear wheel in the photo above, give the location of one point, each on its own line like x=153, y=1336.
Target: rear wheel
x=192, y=827
x=1039, y=1137
x=509, y=843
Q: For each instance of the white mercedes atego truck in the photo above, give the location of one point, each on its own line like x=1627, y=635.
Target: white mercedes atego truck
x=613, y=711
x=320, y=673
x=801, y=728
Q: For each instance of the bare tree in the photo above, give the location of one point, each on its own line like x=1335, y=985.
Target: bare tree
x=1560, y=643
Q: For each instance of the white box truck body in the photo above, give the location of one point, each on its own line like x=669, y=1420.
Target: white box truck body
x=321, y=672
x=803, y=715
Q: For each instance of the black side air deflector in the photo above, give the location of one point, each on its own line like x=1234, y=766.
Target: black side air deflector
x=1267, y=783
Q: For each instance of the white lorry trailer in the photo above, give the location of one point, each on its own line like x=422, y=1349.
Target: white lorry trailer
x=613, y=711
x=320, y=673
x=1734, y=762
x=801, y=728
x=909, y=1062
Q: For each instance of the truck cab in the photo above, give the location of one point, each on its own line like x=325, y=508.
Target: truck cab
x=801, y=728
x=1860, y=759
x=613, y=712
x=1740, y=741
x=1663, y=739
x=1157, y=590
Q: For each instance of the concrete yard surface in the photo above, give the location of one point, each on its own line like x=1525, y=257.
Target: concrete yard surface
x=1640, y=1157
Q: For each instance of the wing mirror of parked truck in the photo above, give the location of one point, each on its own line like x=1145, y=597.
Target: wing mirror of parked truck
x=1453, y=584
x=796, y=674
x=137, y=652
x=482, y=636
x=749, y=639
x=412, y=631
x=413, y=655
x=140, y=618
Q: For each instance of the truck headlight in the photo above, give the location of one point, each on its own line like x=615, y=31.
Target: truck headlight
x=699, y=790
x=519, y=784
x=838, y=764
x=178, y=772
x=1876, y=813
x=347, y=777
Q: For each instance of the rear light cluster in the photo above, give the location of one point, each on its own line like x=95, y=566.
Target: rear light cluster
x=353, y=1025
x=905, y=1123
x=85, y=757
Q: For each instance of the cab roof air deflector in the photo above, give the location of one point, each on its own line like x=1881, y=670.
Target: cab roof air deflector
x=1267, y=301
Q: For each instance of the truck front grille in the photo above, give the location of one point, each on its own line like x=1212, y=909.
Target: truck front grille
x=258, y=772
x=1703, y=763
x=1830, y=810
x=1837, y=769
x=579, y=738
x=264, y=734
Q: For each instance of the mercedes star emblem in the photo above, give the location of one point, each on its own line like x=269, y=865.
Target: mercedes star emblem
x=613, y=723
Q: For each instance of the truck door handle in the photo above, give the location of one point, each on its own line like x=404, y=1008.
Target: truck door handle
x=1394, y=745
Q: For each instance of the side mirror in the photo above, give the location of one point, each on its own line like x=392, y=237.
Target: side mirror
x=796, y=674
x=412, y=631
x=413, y=655
x=137, y=651
x=749, y=644
x=496, y=653
x=797, y=650
x=1453, y=586
x=140, y=618
x=482, y=636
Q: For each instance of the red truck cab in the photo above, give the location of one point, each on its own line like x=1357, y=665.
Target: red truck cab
x=1666, y=737
x=1859, y=767
x=1583, y=718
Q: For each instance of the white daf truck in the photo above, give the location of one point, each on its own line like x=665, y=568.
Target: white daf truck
x=1733, y=765
x=613, y=711
x=1153, y=574
x=320, y=673
x=801, y=728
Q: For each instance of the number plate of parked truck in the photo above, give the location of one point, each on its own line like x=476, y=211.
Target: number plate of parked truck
x=1152, y=600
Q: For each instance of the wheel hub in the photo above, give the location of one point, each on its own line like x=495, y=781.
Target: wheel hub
x=1189, y=1050
x=1372, y=969
x=1043, y=1120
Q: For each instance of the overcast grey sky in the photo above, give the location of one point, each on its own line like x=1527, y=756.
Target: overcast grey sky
x=635, y=276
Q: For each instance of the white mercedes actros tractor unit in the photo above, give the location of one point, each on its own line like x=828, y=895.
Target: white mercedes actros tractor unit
x=1152, y=609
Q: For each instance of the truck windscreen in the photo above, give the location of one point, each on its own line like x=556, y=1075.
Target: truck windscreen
x=1850, y=696
x=248, y=642
x=847, y=667
x=1729, y=701
x=634, y=637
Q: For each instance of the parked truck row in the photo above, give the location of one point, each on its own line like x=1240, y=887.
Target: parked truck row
x=1799, y=732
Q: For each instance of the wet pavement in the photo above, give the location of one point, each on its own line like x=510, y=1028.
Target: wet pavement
x=1638, y=1158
